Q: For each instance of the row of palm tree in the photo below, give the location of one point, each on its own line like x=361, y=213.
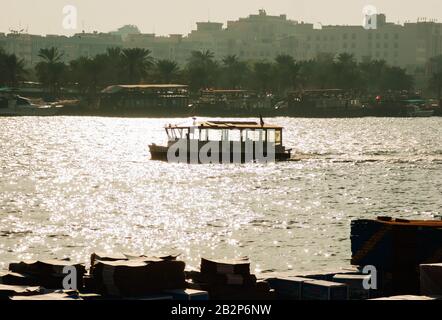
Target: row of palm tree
x=91, y=74
x=285, y=73
x=136, y=65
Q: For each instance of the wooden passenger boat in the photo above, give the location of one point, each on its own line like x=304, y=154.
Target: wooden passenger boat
x=222, y=142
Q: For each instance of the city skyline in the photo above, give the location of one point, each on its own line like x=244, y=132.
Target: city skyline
x=161, y=20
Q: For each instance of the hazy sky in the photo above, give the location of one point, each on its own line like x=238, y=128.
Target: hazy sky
x=179, y=16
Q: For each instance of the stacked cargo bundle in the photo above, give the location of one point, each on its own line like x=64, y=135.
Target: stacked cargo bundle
x=8, y=291
x=396, y=248
x=51, y=296
x=134, y=276
x=47, y=273
x=18, y=279
x=289, y=286
x=229, y=280
x=355, y=284
x=431, y=279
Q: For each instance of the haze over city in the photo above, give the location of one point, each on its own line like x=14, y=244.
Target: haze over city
x=177, y=16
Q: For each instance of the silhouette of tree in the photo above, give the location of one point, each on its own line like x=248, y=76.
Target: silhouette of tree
x=372, y=73
x=234, y=72
x=395, y=78
x=346, y=71
x=201, y=70
x=51, y=70
x=12, y=69
x=263, y=75
x=286, y=72
x=166, y=71
x=89, y=74
x=136, y=63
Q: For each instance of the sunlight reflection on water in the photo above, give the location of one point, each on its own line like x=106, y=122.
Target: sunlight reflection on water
x=73, y=185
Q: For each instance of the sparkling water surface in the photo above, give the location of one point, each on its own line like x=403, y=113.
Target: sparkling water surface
x=73, y=185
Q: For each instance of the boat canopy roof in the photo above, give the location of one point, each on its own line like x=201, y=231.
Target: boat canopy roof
x=8, y=89
x=141, y=87
x=225, y=91
x=415, y=101
x=231, y=125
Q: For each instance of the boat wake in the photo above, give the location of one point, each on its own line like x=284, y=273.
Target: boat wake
x=370, y=157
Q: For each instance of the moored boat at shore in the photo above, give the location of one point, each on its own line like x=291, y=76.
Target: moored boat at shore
x=418, y=109
x=144, y=100
x=14, y=106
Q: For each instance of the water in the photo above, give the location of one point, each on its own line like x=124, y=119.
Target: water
x=72, y=185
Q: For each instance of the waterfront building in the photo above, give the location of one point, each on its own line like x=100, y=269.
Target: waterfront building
x=256, y=37
x=27, y=46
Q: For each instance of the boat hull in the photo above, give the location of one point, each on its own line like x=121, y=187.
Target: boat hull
x=160, y=153
x=28, y=112
x=421, y=114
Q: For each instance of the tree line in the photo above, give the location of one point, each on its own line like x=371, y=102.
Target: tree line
x=202, y=70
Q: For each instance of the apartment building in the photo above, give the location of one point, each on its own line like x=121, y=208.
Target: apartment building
x=256, y=37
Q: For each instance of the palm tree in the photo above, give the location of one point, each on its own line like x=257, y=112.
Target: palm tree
x=201, y=69
x=51, y=69
x=135, y=63
x=395, y=78
x=166, y=70
x=113, y=60
x=234, y=71
x=317, y=73
x=262, y=75
x=50, y=55
x=230, y=60
x=89, y=75
x=12, y=69
x=114, y=53
x=286, y=70
x=346, y=71
x=205, y=56
x=372, y=73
